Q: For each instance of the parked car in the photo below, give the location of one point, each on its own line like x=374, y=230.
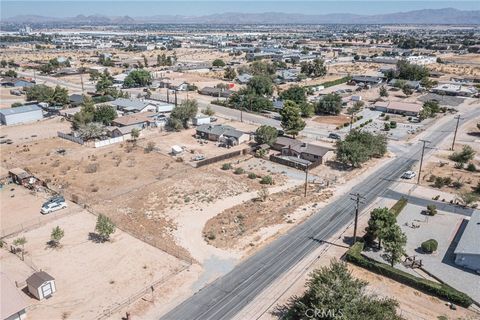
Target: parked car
x=52, y=206
x=335, y=136
x=213, y=119
x=408, y=175
x=198, y=158
x=280, y=133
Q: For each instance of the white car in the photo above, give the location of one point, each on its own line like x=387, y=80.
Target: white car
x=53, y=206
x=408, y=175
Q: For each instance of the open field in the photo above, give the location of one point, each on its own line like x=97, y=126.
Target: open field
x=28, y=132
x=91, y=277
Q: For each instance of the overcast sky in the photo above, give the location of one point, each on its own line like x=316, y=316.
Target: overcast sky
x=197, y=7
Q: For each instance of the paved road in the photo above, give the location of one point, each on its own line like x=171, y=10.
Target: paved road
x=226, y=296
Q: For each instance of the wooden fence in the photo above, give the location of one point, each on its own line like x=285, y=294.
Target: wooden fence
x=70, y=137
x=223, y=157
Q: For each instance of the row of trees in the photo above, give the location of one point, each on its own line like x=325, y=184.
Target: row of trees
x=359, y=147
x=43, y=93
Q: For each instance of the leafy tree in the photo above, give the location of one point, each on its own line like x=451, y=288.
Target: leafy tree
x=11, y=73
x=394, y=244
x=429, y=246
x=3, y=63
x=218, y=63
x=409, y=71
x=359, y=146
x=261, y=68
x=137, y=78
x=330, y=104
x=105, y=81
x=429, y=109
x=407, y=91
x=333, y=293
x=295, y=93
x=307, y=109
x=208, y=111
x=39, y=92
x=104, y=227
x=427, y=83
x=383, y=92
x=20, y=242
x=184, y=112
x=16, y=104
x=56, y=235
x=135, y=133
x=463, y=156
x=163, y=60
x=260, y=85
x=466, y=198
x=85, y=115
x=229, y=73
x=104, y=114
x=266, y=134
x=60, y=96
x=91, y=130
x=380, y=220
x=315, y=68
x=292, y=121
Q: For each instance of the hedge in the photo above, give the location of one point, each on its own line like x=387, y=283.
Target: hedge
x=398, y=207
x=332, y=83
x=354, y=255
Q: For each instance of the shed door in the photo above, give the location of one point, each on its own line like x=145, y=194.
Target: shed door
x=47, y=289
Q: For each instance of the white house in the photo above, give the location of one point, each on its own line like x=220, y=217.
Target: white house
x=41, y=285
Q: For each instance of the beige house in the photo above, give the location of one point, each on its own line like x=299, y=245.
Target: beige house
x=13, y=303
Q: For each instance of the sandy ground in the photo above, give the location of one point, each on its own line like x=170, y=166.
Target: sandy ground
x=46, y=128
x=90, y=277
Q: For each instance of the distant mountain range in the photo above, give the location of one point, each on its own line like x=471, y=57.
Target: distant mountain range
x=426, y=16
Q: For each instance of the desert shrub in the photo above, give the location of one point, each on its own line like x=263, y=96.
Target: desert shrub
x=398, y=206
x=387, y=117
x=150, y=147
x=457, y=184
x=431, y=210
x=393, y=124
x=266, y=180
x=458, y=165
x=429, y=246
x=226, y=166
x=263, y=194
x=252, y=175
x=386, y=127
x=441, y=182
x=239, y=171
x=471, y=167
x=211, y=235
x=436, y=197
x=92, y=168
x=431, y=178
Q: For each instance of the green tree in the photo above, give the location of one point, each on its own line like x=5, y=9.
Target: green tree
x=315, y=68
x=266, y=134
x=104, y=227
x=104, y=114
x=394, y=241
x=261, y=68
x=85, y=115
x=463, y=156
x=360, y=146
x=333, y=293
x=91, y=130
x=3, y=63
x=39, y=92
x=218, y=63
x=409, y=71
x=407, y=91
x=380, y=220
x=105, y=81
x=208, y=111
x=229, y=73
x=295, y=93
x=137, y=78
x=184, y=112
x=260, y=85
x=135, y=133
x=16, y=104
x=56, y=235
x=307, y=109
x=11, y=73
x=329, y=104
x=292, y=121
x=60, y=96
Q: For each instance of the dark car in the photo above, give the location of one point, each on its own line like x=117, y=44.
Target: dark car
x=335, y=136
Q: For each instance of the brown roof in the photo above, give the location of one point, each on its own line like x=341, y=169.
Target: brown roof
x=400, y=106
x=310, y=149
x=12, y=301
x=286, y=141
x=134, y=118
x=39, y=278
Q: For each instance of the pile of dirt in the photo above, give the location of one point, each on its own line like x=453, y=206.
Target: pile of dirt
x=226, y=229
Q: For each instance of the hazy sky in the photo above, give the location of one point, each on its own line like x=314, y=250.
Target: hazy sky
x=197, y=7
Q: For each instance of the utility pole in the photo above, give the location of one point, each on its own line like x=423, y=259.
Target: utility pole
x=421, y=160
x=306, y=181
x=81, y=81
x=456, y=128
x=168, y=95
x=175, y=98
x=357, y=198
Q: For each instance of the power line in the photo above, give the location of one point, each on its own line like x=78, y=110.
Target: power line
x=357, y=198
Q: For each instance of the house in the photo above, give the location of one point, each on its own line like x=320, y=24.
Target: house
x=281, y=142
x=177, y=85
x=41, y=285
x=415, y=85
x=367, y=80
x=215, y=92
x=467, y=252
x=15, y=82
x=12, y=303
x=397, y=107
x=125, y=131
x=139, y=120
x=455, y=90
x=243, y=78
x=309, y=152
x=133, y=105
x=201, y=119
x=23, y=114
x=222, y=133
x=76, y=99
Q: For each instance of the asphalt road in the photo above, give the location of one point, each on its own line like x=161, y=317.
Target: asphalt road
x=226, y=296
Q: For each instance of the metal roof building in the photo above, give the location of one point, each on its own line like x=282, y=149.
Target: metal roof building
x=467, y=252
x=21, y=114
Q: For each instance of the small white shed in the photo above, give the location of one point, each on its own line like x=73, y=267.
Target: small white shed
x=41, y=285
x=199, y=120
x=176, y=150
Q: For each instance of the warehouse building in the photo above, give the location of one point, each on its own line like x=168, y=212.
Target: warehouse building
x=23, y=114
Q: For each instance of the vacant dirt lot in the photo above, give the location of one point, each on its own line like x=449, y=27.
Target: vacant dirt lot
x=91, y=277
x=336, y=120
x=29, y=132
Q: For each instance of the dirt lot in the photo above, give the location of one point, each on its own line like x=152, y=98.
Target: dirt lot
x=92, y=277
x=335, y=120
x=228, y=229
x=38, y=130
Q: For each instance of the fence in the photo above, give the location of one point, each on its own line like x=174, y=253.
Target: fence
x=222, y=157
x=148, y=289
x=70, y=137
x=292, y=163
x=103, y=143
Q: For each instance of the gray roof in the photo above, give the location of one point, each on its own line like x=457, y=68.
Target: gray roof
x=39, y=278
x=217, y=129
x=22, y=109
x=409, y=83
x=233, y=133
x=470, y=241
x=310, y=149
x=129, y=104
x=366, y=79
